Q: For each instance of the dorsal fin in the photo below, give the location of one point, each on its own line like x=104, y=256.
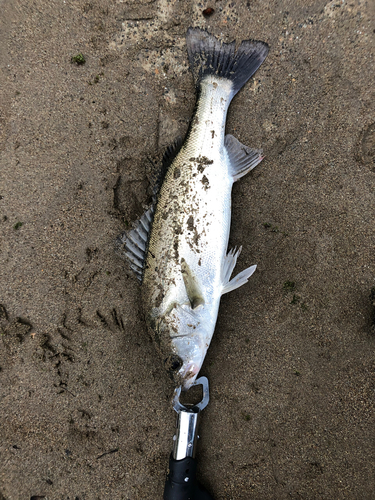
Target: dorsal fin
x=133, y=244
x=169, y=155
x=171, y=152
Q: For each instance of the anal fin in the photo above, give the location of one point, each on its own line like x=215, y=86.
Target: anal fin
x=242, y=158
x=228, y=266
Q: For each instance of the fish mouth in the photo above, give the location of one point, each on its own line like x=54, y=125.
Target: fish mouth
x=188, y=375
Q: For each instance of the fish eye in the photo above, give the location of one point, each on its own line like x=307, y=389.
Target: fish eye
x=173, y=363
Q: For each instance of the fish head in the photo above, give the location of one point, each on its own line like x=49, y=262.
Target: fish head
x=191, y=354
x=190, y=338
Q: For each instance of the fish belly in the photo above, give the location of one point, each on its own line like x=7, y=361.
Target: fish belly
x=192, y=217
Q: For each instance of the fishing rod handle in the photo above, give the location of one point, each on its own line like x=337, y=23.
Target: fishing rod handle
x=181, y=483
x=186, y=436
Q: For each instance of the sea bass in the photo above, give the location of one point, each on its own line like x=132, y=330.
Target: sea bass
x=178, y=248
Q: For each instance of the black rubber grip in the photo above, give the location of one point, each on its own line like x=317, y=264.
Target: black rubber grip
x=181, y=483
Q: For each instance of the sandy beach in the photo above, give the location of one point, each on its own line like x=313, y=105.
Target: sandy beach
x=85, y=403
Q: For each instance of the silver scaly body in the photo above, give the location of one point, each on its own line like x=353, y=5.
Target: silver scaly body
x=185, y=267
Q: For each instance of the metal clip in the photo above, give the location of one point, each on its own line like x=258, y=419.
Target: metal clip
x=185, y=439
x=177, y=406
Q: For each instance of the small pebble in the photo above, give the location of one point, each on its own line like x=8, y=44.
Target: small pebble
x=208, y=12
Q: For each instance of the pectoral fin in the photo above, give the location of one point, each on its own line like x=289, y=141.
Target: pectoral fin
x=193, y=289
x=228, y=266
x=242, y=159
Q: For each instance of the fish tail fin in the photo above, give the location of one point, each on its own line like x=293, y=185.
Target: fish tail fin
x=210, y=56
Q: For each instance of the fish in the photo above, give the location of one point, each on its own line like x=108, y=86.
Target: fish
x=178, y=248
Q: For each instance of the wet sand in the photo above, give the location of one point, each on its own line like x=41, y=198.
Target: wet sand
x=85, y=404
